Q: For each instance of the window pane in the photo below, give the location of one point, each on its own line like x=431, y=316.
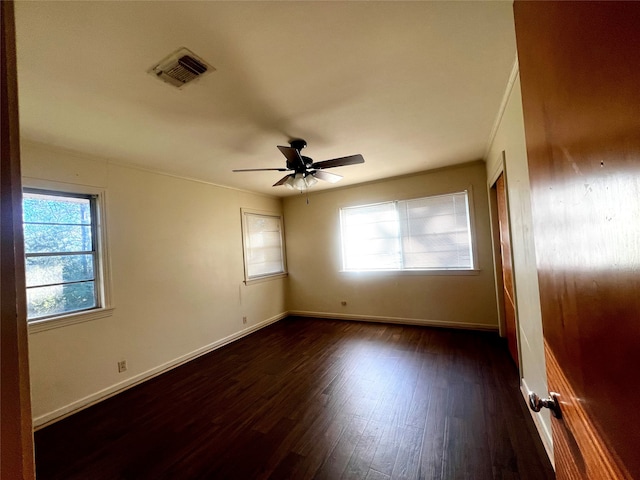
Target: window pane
x=370, y=237
x=60, y=299
x=58, y=269
x=54, y=224
x=44, y=208
x=436, y=232
x=40, y=238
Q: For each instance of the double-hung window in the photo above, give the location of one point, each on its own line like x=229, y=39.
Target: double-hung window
x=263, y=241
x=423, y=234
x=63, y=254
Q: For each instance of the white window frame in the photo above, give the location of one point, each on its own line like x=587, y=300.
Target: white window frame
x=247, y=213
x=102, y=267
x=473, y=270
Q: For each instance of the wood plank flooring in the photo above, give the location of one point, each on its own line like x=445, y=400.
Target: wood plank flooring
x=313, y=399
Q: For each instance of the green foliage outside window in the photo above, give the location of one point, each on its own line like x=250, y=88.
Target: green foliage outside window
x=60, y=253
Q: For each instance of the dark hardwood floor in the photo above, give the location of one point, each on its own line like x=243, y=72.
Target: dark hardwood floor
x=307, y=398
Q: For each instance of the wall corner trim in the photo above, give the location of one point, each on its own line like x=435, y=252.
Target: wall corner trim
x=503, y=105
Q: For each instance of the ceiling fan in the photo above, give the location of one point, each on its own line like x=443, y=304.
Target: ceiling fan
x=306, y=172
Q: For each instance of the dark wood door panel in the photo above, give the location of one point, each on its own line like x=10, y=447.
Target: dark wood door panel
x=507, y=269
x=16, y=436
x=580, y=77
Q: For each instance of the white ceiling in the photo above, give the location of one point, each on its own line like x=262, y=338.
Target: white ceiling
x=409, y=85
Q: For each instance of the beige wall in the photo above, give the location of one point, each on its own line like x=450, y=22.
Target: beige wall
x=177, y=281
x=317, y=286
x=510, y=139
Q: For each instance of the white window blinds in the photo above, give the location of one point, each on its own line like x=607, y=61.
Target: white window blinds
x=430, y=233
x=264, y=253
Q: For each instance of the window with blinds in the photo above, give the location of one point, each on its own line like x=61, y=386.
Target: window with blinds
x=263, y=245
x=430, y=233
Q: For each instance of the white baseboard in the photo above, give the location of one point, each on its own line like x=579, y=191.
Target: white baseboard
x=398, y=320
x=543, y=431
x=63, y=412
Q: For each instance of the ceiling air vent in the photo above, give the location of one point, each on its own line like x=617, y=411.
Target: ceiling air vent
x=181, y=67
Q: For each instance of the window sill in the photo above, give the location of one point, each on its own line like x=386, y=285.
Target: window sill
x=265, y=278
x=36, y=326
x=426, y=273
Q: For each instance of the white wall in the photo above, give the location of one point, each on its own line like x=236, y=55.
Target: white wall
x=177, y=280
x=510, y=139
x=317, y=286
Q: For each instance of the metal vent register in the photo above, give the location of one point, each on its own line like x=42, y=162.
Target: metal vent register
x=181, y=67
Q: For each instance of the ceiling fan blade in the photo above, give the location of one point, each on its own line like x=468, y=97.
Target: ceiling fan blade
x=281, y=181
x=339, y=162
x=261, y=170
x=327, y=177
x=294, y=160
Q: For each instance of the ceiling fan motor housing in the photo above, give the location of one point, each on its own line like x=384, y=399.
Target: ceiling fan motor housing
x=307, y=161
x=298, y=143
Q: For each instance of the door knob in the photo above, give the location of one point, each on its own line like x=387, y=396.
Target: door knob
x=536, y=403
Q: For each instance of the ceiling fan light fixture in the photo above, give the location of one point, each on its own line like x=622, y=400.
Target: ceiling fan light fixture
x=289, y=183
x=298, y=182
x=310, y=180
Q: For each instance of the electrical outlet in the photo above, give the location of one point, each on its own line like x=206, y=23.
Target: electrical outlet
x=122, y=366
x=244, y=319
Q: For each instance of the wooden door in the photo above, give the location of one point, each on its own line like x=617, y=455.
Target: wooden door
x=580, y=76
x=507, y=269
x=16, y=436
